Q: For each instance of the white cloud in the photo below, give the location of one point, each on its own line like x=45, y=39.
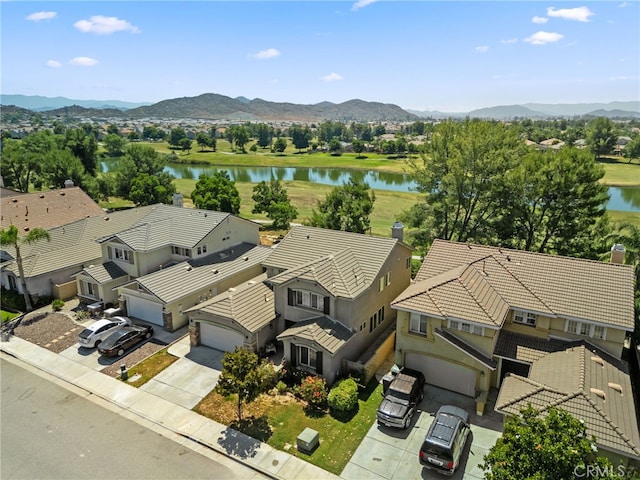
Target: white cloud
x=542, y=38
x=482, y=48
x=580, y=14
x=102, y=25
x=266, y=54
x=37, y=16
x=624, y=5
x=623, y=78
x=509, y=41
x=83, y=62
x=361, y=4
x=539, y=20
x=332, y=77
x=53, y=64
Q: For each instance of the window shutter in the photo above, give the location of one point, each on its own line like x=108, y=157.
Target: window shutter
x=293, y=356
x=289, y=296
x=327, y=300
x=110, y=252
x=319, y=363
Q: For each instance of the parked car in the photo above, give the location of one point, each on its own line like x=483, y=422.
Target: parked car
x=125, y=338
x=401, y=399
x=445, y=440
x=99, y=330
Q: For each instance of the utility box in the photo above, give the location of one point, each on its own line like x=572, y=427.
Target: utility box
x=308, y=440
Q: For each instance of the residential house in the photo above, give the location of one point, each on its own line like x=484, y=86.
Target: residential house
x=170, y=260
x=476, y=313
x=332, y=293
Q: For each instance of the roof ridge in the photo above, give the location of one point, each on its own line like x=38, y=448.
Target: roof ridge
x=634, y=448
x=539, y=388
x=468, y=290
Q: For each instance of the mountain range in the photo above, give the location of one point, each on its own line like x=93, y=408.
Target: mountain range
x=211, y=106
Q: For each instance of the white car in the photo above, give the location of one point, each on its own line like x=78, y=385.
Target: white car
x=99, y=330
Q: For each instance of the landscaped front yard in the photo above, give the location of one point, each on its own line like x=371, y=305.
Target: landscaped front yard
x=278, y=419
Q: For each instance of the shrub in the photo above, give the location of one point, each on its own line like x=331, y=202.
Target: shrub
x=12, y=300
x=268, y=376
x=313, y=390
x=82, y=315
x=281, y=387
x=57, y=305
x=343, y=397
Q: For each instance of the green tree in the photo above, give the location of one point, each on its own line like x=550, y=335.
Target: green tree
x=185, y=144
x=240, y=137
x=148, y=190
x=600, y=136
x=632, y=149
x=273, y=200
x=345, y=208
x=20, y=167
x=11, y=237
x=84, y=146
x=358, y=147
x=202, y=139
x=265, y=135
x=139, y=159
x=240, y=376
x=112, y=129
x=300, y=136
x=335, y=146
x=280, y=145
x=176, y=135
x=114, y=144
x=217, y=192
x=543, y=447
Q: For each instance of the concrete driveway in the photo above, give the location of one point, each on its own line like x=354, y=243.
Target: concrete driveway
x=387, y=453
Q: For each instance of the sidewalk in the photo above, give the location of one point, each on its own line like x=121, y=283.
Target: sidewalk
x=144, y=407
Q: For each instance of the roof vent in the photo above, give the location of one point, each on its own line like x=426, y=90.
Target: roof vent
x=617, y=387
x=599, y=393
x=245, y=258
x=188, y=268
x=598, y=360
x=41, y=196
x=214, y=271
x=251, y=282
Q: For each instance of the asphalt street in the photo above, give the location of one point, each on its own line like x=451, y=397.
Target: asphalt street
x=49, y=432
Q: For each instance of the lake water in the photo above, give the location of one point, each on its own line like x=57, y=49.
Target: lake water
x=621, y=198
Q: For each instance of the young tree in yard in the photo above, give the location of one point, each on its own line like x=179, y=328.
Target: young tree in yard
x=11, y=237
x=545, y=447
x=218, y=193
x=273, y=200
x=345, y=208
x=240, y=376
x=600, y=136
x=280, y=145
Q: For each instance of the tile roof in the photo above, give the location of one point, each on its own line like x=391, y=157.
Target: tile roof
x=184, y=278
x=105, y=272
x=74, y=243
x=46, y=209
x=548, y=284
x=588, y=384
x=460, y=344
x=351, y=260
x=527, y=348
x=250, y=304
x=329, y=334
x=170, y=225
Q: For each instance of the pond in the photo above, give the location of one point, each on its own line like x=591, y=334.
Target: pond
x=621, y=198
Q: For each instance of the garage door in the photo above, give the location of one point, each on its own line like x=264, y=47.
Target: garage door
x=220, y=338
x=144, y=310
x=444, y=374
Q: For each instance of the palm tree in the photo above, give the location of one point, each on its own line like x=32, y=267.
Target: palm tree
x=11, y=237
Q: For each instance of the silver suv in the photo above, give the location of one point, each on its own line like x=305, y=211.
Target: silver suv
x=99, y=330
x=445, y=440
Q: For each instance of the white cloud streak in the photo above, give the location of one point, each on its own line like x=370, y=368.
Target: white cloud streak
x=332, y=77
x=542, y=38
x=53, y=64
x=579, y=14
x=539, y=20
x=266, y=54
x=482, y=48
x=101, y=25
x=38, y=16
x=509, y=41
x=361, y=4
x=83, y=62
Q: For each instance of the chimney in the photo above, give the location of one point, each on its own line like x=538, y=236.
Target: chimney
x=397, y=231
x=177, y=200
x=68, y=183
x=617, y=253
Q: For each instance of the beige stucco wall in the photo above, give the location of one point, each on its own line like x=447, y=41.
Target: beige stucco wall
x=65, y=291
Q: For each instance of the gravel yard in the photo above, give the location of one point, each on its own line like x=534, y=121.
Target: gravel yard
x=58, y=331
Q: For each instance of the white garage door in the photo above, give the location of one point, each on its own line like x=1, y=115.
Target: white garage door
x=144, y=310
x=444, y=374
x=220, y=338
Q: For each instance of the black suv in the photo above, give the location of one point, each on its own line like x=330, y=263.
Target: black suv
x=443, y=445
x=401, y=399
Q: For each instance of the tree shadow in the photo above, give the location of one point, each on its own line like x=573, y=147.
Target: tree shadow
x=366, y=392
x=243, y=438
x=313, y=412
x=345, y=417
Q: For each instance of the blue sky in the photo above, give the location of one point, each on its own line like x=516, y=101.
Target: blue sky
x=451, y=56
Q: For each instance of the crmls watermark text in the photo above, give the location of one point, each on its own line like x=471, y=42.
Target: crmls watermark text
x=597, y=471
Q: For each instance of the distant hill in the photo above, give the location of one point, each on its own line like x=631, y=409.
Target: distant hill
x=38, y=103
x=211, y=106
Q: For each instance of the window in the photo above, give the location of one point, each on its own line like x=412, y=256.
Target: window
x=202, y=250
x=381, y=284
x=376, y=319
x=123, y=255
x=388, y=281
x=526, y=318
x=306, y=356
x=466, y=327
x=418, y=324
x=308, y=299
x=183, y=252
x=586, y=329
x=89, y=289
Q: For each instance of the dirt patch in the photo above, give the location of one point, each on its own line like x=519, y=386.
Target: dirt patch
x=54, y=331
x=225, y=410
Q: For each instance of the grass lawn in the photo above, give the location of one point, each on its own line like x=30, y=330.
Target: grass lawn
x=619, y=172
x=150, y=367
x=8, y=316
x=617, y=216
x=278, y=420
